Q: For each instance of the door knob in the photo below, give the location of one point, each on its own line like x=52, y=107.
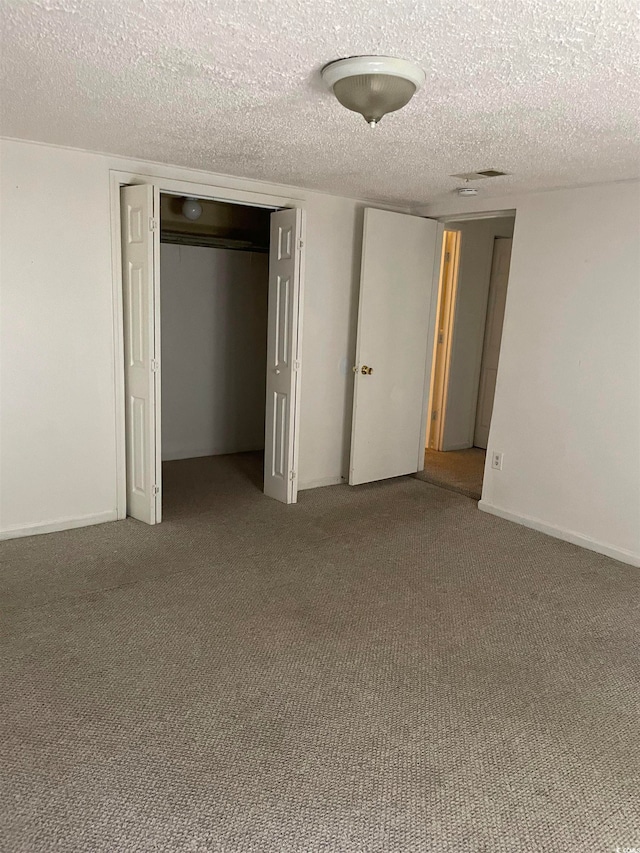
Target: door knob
x=366, y=371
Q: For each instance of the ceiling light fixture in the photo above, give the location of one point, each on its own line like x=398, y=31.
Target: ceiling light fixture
x=373, y=85
x=191, y=208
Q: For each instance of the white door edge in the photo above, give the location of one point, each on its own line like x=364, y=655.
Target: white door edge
x=296, y=405
x=138, y=250
x=158, y=350
x=284, y=343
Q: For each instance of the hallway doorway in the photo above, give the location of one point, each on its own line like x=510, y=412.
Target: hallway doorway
x=471, y=303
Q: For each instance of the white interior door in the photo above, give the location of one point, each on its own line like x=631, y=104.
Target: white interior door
x=396, y=315
x=137, y=204
x=283, y=356
x=492, y=337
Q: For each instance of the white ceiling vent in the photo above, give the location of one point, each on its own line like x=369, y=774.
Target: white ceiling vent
x=477, y=176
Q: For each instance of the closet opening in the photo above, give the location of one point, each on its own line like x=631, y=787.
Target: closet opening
x=214, y=286
x=208, y=296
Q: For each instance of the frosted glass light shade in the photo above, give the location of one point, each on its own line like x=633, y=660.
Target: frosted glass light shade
x=373, y=85
x=192, y=209
x=374, y=95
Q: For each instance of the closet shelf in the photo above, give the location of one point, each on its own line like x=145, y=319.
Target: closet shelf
x=210, y=241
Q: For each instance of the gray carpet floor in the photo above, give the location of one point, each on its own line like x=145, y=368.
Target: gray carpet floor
x=461, y=471
x=379, y=668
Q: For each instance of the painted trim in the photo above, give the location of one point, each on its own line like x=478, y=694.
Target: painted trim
x=324, y=481
x=157, y=354
x=212, y=191
x=118, y=178
x=470, y=217
x=58, y=525
x=118, y=346
x=579, y=539
x=302, y=255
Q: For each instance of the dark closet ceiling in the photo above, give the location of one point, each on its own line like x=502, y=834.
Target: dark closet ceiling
x=222, y=225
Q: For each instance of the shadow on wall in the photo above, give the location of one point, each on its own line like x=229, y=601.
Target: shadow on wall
x=351, y=341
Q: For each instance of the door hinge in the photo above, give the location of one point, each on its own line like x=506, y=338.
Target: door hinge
x=155, y=365
x=156, y=490
x=153, y=224
x=300, y=244
x=296, y=365
x=434, y=415
x=440, y=337
x=292, y=475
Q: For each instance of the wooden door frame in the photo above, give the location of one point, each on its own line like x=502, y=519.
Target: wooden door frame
x=170, y=186
x=442, y=358
x=431, y=337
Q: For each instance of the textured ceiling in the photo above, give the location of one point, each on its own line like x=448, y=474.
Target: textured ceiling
x=547, y=90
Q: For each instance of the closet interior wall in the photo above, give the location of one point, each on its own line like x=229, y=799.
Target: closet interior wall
x=213, y=329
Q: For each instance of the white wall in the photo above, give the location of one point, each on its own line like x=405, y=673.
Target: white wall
x=476, y=254
x=567, y=405
x=214, y=350
x=57, y=416
x=58, y=421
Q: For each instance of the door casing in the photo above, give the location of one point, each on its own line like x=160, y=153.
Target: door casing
x=498, y=284
x=443, y=334
x=170, y=186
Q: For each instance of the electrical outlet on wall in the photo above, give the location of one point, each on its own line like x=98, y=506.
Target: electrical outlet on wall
x=496, y=461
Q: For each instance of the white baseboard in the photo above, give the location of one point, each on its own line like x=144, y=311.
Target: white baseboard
x=325, y=481
x=620, y=554
x=59, y=524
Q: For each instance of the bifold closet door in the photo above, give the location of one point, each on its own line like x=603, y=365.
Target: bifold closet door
x=139, y=351
x=283, y=356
